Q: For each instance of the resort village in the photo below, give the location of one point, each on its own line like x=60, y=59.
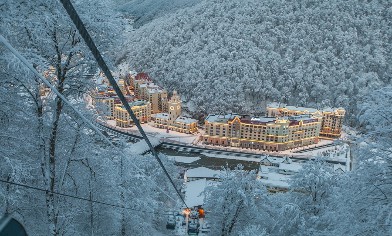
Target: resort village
x=284, y=127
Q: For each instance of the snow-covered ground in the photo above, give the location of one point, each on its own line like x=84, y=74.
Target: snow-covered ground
x=141, y=146
x=160, y=134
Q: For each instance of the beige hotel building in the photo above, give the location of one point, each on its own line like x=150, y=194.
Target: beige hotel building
x=263, y=133
x=141, y=109
x=332, y=118
x=173, y=119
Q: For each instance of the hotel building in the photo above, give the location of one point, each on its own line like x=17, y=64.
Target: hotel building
x=141, y=109
x=145, y=89
x=332, y=118
x=264, y=133
x=173, y=120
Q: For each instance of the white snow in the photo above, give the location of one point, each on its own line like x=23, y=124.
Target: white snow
x=142, y=147
x=273, y=179
x=184, y=159
x=193, y=190
x=202, y=172
x=161, y=115
x=186, y=120
x=230, y=157
x=158, y=133
x=293, y=167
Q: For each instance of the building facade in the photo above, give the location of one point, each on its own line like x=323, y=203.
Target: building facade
x=145, y=89
x=331, y=126
x=173, y=119
x=332, y=118
x=264, y=133
x=141, y=109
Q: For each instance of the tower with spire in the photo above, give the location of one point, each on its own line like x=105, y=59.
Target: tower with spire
x=174, y=105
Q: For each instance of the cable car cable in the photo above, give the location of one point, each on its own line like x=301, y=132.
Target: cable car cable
x=97, y=55
x=72, y=196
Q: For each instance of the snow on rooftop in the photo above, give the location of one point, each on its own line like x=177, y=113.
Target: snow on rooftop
x=337, y=167
x=295, y=167
x=220, y=118
x=273, y=179
x=276, y=105
x=161, y=115
x=138, y=103
x=202, y=172
x=264, y=170
x=263, y=119
x=186, y=120
x=155, y=90
x=271, y=159
x=294, y=108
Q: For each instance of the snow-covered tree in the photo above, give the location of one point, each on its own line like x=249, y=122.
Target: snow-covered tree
x=234, y=202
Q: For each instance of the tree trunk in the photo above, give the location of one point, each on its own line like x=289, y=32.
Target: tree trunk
x=50, y=200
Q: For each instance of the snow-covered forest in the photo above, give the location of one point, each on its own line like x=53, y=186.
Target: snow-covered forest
x=222, y=56
x=232, y=55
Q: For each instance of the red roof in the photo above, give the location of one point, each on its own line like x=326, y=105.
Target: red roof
x=143, y=76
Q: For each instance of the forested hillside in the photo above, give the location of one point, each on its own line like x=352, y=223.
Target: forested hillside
x=232, y=55
x=143, y=11
x=58, y=177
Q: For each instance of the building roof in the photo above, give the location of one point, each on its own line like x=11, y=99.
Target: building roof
x=294, y=167
x=294, y=120
x=202, y=172
x=287, y=160
x=221, y=118
x=138, y=103
x=258, y=120
x=161, y=115
x=339, y=167
x=142, y=76
x=303, y=109
x=292, y=108
x=275, y=105
x=185, y=120
x=273, y=179
x=156, y=89
x=271, y=159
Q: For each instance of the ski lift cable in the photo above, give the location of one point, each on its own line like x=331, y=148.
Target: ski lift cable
x=72, y=196
x=97, y=55
x=35, y=72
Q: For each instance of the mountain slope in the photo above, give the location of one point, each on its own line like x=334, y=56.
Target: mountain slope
x=231, y=55
x=146, y=10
